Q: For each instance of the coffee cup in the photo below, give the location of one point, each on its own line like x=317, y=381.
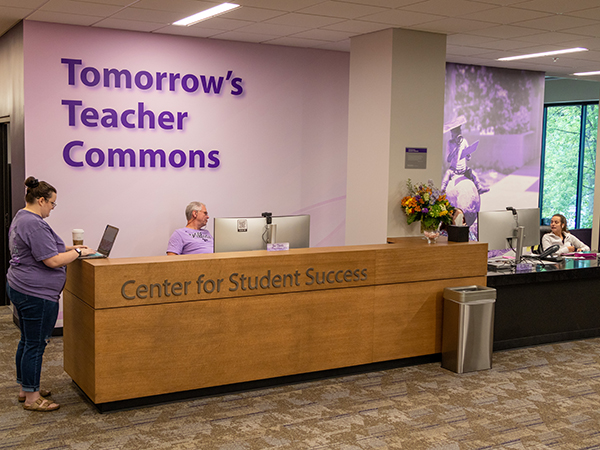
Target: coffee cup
x=77, y=236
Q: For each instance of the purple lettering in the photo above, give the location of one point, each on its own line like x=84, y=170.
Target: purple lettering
x=152, y=155
x=117, y=75
x=88, y=115
x=112, y=152
x=110, y=118
x=138, y=80
x=127, y=113
x=160, y=76
x=211, y=84
x=143, y=113
x=213, y=155
x=95, y=76
x=172, y=78
x=89, y=157
x=72, y=104
x=165, y=120
x=185, y=84
x=193, y=155
x=237, y=85
x=177, y=154
x=67, y=153
x=71, y=63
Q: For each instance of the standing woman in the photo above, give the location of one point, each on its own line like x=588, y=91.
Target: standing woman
x=560, y=236
x=36, y=276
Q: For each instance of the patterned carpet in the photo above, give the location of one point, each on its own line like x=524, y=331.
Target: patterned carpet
x=545, y=397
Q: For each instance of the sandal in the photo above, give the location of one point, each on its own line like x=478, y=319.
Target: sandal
x=43, y=393
x=43, y=405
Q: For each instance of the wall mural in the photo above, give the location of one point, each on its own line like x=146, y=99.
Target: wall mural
x=492, y=133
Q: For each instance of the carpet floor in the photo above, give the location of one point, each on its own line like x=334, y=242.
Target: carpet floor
x=544, y=397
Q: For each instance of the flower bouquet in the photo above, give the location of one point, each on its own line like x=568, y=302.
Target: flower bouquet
x=429, y=205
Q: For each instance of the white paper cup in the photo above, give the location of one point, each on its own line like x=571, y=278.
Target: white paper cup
x=77, y=236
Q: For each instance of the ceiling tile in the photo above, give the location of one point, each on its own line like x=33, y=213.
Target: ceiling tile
x=592, y=13
x=341, y=46
x=134, y=25
x=272, y=29
x=27, y=4
x=295, y=42
x=83, y=8
x=323, y=35
x=400, y=18
x=253, y=14
x=557, y=23
x=357, y=26
x=221, y=23
x=121, y=3
x=452, y=8
x=188, y=31
x=558, y=6
x=243, y=37
x=279, y=5
x=453, y=25
x=506, y=15
x=188, y=7
x=14, y=14
x=342, y=10
x=384, y=3
x=148, y=15
x=467, y=39
x=56, y=17
x=591, y=31
x=304, y=20
x=505, y=32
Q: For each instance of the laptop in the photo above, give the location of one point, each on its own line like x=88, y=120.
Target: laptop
x=106, y=243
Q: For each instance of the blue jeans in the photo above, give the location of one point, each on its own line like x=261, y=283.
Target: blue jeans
x=37, y=318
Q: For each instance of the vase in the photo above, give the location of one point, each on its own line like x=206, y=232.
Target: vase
x=431, y=233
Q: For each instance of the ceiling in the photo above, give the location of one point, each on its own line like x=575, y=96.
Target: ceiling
x=479, y=31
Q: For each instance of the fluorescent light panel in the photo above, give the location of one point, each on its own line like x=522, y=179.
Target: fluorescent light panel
x=539, y=55
x=206, y=14
x=587, y=74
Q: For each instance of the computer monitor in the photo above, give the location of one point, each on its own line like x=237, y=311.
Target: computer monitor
x=499, y=228
x=235, y=234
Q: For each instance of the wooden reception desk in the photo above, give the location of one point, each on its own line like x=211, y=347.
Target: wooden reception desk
x=140, y=327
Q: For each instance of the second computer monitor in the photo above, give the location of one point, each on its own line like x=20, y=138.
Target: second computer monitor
x=235, y=234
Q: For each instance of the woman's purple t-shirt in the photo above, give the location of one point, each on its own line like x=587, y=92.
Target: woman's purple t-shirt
x=31, y=240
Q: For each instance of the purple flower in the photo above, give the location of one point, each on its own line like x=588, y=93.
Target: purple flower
x=425, y=210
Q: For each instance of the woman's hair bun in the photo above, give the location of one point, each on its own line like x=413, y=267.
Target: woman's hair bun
x=32, y=182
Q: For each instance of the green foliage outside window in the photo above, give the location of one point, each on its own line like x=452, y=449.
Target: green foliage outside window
x=569, y=163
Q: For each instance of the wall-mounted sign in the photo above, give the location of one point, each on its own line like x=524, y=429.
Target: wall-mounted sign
x=415, y=158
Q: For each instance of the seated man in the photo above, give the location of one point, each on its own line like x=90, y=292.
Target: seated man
x=192, y=239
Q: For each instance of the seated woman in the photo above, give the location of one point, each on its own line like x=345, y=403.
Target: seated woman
x=560, y=236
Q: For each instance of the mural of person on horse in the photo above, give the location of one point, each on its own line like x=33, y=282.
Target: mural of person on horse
x=459, y=152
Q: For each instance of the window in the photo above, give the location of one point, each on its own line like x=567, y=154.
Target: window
x=569, y=163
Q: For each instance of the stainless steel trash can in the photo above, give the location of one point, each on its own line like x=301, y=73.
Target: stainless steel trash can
x=468, y=328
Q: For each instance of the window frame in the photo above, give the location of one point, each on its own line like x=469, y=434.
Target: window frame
x=581, y=159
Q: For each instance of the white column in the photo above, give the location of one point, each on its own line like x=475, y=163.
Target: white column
x=397, y=80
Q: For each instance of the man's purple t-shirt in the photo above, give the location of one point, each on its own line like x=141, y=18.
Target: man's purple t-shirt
x=31, y=240
x=186, y=241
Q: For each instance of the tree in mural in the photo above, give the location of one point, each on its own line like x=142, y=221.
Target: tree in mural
x=493, y=101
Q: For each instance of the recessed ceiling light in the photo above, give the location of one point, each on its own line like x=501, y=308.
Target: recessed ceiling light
x=586, y=74
x=539, y=55
x=206, y=14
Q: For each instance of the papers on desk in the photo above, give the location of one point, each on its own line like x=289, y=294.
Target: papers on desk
x=580, y=255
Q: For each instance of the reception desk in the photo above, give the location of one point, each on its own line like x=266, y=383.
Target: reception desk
x=549, y=303
x=141, y=327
